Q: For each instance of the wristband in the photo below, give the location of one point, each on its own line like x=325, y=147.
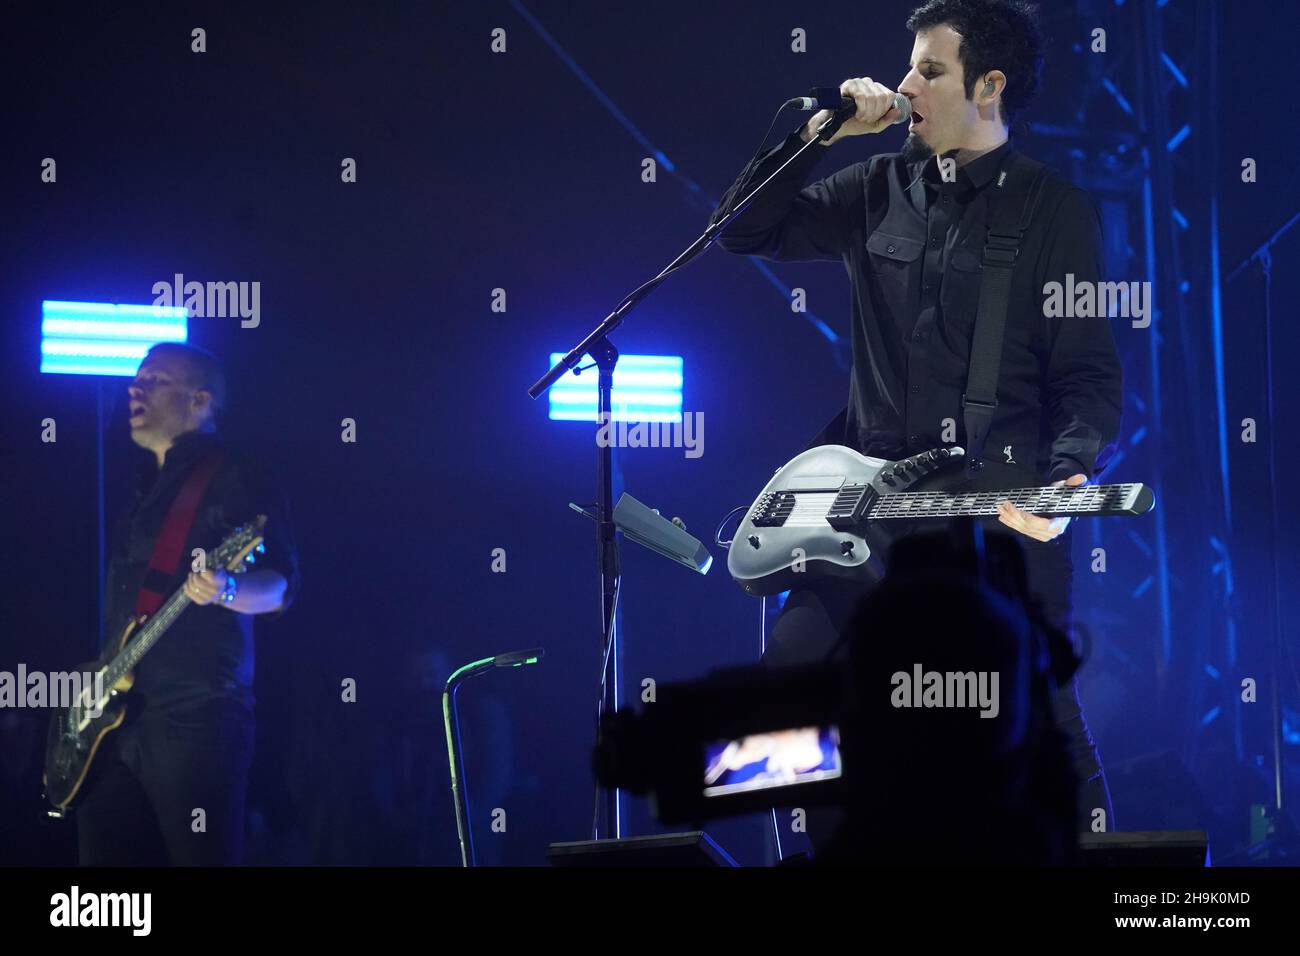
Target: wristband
x=230, y=590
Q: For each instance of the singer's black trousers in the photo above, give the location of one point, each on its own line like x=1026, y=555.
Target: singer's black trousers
x=813, y=620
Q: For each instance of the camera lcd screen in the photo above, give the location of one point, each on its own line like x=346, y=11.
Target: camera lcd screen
x=778, y=758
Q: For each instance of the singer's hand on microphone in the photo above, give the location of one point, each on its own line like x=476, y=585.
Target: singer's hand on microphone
x=876, y=110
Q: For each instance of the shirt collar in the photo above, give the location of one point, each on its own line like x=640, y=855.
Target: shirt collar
x=976, y=174
x=186, y=448
x=189, y=445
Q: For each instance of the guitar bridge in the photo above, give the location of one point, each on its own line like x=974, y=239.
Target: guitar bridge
x=772, y=509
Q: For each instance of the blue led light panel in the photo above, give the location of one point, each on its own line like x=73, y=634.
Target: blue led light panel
x=647, y=388
x=97, y=338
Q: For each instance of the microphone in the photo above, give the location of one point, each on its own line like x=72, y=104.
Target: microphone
x=830, y=98
x=510, y=659
x=519, y=658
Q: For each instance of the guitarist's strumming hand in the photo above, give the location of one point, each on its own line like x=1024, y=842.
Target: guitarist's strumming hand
x=1035, y=526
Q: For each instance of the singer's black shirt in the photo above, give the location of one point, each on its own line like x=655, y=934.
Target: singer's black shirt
x=913, y=257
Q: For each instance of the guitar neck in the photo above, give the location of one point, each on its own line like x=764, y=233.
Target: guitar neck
x=143, y=640
x=1122, y=499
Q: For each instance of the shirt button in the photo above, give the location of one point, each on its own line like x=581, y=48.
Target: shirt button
x=915, y=389
x=929, y=287
x=934, y=241
x=914, y=439
x=889, y=248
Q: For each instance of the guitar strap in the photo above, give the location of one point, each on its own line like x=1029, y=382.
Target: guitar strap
x=1019, y=192
x=171, y=538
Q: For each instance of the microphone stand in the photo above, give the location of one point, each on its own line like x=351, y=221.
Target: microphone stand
x=1281, y=841
x=598, y=345
x=455, y=752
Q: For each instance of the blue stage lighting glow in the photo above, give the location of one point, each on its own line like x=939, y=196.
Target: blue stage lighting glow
x=99, y=338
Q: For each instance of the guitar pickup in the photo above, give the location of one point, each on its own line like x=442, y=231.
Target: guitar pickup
x=851, y=505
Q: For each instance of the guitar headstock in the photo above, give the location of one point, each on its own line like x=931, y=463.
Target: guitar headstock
x=240, y=547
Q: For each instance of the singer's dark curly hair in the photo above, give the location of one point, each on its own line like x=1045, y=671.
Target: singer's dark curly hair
x=995, y=35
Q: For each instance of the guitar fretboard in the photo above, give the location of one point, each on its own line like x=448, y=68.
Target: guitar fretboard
x=136, y=648
x=146, y=638
x=1047, y=500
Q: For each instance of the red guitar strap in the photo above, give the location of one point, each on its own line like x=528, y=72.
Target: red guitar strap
x=171, y=538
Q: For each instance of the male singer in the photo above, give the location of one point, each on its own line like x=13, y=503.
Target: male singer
x=912, y=239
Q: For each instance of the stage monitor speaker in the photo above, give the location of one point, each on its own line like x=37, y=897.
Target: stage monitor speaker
x=694, y=848
x=1156, y=791
x=1145, y=848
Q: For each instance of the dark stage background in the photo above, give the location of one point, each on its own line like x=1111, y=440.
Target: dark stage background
x=480, y=171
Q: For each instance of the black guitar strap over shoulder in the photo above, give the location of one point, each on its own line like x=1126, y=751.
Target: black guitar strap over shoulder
x=1019, y=188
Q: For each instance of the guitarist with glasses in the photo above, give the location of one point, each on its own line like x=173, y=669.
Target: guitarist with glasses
x=168, y=786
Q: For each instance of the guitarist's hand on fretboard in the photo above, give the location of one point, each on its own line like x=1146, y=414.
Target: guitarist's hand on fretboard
x=205, y=587
x=1035, y=526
